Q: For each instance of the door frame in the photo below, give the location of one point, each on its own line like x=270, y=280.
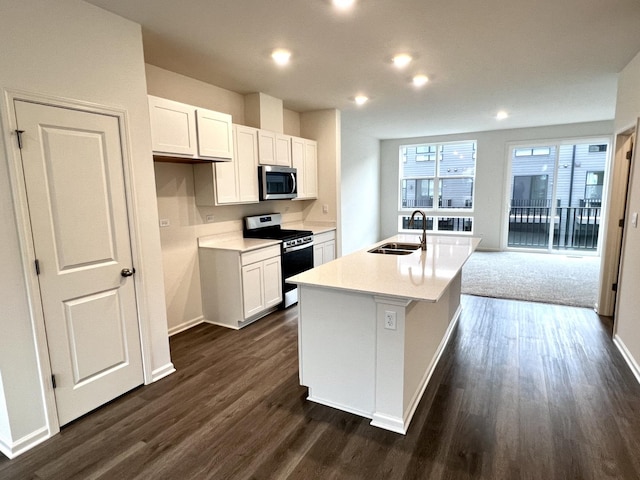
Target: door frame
x=557, y=142
x=25, y=237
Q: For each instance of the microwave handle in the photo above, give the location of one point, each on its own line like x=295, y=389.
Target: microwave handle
x=293, y=177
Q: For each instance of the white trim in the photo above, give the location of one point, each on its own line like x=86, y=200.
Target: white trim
x=187, y=325
x=13, y=449
x=339, y=406
x=626, y=354
x=161, y=372
x=20, y=203
x=393, y=424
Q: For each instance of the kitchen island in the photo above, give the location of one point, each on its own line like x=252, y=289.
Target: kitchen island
x=372, y=326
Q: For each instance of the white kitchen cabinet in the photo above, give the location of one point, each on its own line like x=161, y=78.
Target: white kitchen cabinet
x=274, y=148
x=235, y=182
x=186, y=132
x=324, y=247
x=304, y=157
x=173, y=128
x=239, y=287
x=215, y=139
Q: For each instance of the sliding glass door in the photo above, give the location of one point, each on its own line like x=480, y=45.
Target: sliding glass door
x=556, y=193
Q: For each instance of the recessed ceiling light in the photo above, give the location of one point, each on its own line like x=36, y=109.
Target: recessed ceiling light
x=402, y=60
x=281, y=56
x=420, y=80
x=501, y=115
x=361, y=99
x=343, y=4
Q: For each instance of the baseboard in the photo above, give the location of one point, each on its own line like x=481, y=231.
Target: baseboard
x=13, y=449
x=162, y=372
x=338, y=406
x=626, y=354
x=186, y=325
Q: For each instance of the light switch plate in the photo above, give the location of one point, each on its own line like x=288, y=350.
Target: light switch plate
x=634, y=219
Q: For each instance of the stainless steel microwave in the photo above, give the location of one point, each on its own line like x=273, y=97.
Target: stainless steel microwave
x=277, y=183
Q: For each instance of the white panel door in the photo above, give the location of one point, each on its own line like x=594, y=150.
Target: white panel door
x=74, y=178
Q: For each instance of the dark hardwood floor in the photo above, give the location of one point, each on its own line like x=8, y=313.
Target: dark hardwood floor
x=524, y=391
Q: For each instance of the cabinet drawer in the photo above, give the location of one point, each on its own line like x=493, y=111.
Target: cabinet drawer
x=259, y=255
x=324, y=237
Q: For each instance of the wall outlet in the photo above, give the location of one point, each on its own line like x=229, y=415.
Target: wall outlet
x=390, y=320
x=210, y=218
x=164, y=222
x=325, y=208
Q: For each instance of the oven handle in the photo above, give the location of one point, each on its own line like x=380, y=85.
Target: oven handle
x=298, y=247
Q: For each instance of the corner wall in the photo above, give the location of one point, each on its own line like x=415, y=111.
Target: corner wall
x=72, y=50
x=627, y=327
x=360, y=190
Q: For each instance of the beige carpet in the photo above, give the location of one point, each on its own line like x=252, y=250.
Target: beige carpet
x=534, y=277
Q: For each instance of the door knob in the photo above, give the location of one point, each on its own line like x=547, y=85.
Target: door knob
x=127, y=272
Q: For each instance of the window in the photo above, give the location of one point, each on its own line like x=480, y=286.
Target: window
x=531, y=152
x=529, y=191
x=438, y=177
x=593, y=187
x=597, y=148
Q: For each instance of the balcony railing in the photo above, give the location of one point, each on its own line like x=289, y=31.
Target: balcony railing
x=574, y=228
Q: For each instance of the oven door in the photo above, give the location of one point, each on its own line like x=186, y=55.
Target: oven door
x=295, y=260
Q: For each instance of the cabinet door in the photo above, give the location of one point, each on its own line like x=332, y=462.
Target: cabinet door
x=283, y=150
x=311, y=168
x=318, y=254
x=328, y=251
x=252, y=289
x=272, y=282
x=247, y=163
x=173, y=128
x=227, y=180
x=297, y=162
x=215, y=139
x=266, y=147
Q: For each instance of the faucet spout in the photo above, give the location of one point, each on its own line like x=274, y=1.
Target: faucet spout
x=423, y=239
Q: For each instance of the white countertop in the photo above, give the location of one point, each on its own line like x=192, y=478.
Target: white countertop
x=235, y=242
x=417, y=276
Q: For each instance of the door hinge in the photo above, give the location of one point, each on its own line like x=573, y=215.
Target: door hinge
x=629, y=154
x=621, y=222
x=614, y=287
x=19, y=134
x=53, y=381
x=37, y=262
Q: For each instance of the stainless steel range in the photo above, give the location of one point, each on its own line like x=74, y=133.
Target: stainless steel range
x=297, y=249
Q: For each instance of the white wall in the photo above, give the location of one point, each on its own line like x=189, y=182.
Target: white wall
x=360, y=189
x=72, y=50
x=491, y=170
x=627, y=327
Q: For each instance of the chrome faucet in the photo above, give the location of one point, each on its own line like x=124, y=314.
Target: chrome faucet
x=423, y=239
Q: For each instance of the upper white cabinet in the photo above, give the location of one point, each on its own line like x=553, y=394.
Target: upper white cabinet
x=184, y=131
x=274, y=148
x=215, y=138
x=304, y=157
x=232, y=182
x=173, y=127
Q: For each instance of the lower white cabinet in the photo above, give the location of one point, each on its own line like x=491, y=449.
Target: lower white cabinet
x=324, y=248
x=239, y=287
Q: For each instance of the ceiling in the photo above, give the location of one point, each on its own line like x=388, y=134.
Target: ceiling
x=546, y=62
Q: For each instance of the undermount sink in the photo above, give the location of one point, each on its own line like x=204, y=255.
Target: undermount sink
x=395, y=248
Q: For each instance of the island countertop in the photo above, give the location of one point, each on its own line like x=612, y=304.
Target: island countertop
x=421, y=275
